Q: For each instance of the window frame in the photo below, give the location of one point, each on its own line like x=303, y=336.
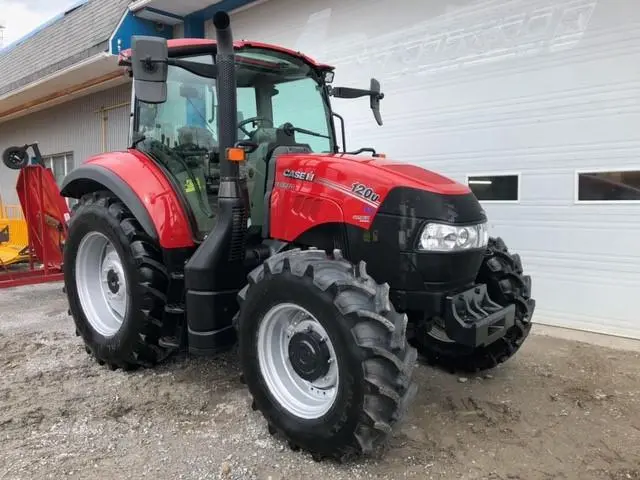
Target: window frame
x=48, y=159
x=65, y=155
x=518, y=175
x=134, y=123
x=576, y=185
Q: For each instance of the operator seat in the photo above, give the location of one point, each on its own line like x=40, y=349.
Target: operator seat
x=261, y=167
x=270, y=140
x=271, y=143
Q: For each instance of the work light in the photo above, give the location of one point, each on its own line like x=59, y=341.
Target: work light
x=440, y=237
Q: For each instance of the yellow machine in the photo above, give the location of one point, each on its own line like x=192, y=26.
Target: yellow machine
x=14, y=237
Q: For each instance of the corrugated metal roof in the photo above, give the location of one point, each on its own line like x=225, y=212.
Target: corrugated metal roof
x=81, y=33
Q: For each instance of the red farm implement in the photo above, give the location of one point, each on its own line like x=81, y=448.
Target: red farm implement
x=44, y=214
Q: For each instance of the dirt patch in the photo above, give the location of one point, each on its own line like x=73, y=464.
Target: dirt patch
x=559, y=410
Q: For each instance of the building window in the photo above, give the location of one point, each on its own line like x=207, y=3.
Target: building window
x=495, y=188
x=608, y=186
x=60, y=164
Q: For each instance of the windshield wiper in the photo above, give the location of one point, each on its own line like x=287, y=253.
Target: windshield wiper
x=202, y=117
x=289, y=129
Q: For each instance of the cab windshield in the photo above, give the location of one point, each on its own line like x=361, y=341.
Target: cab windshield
x=281, y=100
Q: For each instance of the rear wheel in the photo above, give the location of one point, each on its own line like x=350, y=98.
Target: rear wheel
x=323, y=353
x=502, y=273
x=115, y=283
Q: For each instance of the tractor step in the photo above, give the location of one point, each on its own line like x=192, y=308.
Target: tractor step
x=173, y=315
x=174, y=309
x=169, y=342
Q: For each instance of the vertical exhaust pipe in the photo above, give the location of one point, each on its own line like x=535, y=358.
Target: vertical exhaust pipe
x=215, y=273
x=226, y=86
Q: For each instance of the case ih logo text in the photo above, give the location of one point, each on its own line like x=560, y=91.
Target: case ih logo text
x=299, y=175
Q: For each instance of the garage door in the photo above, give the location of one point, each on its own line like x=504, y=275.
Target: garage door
x=535, y=103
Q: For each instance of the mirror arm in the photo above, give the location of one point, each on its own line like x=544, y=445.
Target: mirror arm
x=200, y=69
x=348, y=92
x=197, y=68
x=374, y=94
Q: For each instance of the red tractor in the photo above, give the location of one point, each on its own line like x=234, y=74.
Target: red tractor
x=235, y=217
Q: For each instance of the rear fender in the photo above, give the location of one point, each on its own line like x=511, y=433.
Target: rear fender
x=144, y=189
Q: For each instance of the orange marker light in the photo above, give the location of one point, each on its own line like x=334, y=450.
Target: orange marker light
x=236, y=154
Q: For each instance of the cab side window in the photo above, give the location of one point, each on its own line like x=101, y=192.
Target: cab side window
x=287, y=108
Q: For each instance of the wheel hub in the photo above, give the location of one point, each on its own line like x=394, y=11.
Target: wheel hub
x=298, y=361
x=309, y=355
x=113, y=281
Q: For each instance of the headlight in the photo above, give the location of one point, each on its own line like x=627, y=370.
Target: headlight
x=438, y=237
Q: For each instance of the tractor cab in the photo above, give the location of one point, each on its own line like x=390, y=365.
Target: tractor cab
x=282, y=106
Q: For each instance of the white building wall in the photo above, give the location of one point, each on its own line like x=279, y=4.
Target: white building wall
x=74, y=127
x=534, y=87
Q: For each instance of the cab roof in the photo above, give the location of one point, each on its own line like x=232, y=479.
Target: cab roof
x=185, y=46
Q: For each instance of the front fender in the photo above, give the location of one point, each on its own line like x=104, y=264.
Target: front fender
x=144, y=189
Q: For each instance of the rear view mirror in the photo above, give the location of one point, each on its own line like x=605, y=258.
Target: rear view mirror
x=149, y=57
x=376, y=96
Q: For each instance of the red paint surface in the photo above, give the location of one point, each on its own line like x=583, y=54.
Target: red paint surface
x=298, y=205
x=154, y=190
x=45, y=212
x=204, y=42
x=10, y=279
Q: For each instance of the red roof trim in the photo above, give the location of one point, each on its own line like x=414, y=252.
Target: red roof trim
x=205, y=42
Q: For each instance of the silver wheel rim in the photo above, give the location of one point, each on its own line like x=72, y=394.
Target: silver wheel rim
x=101, y=284
x=300, y=397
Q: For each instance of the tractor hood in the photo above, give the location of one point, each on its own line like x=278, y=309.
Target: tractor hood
x=355, y=189
x=375, y=172
x=417, y=177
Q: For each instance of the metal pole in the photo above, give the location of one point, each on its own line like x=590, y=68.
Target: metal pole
x=105, y=119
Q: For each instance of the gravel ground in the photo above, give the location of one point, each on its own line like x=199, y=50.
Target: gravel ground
x=560, y=409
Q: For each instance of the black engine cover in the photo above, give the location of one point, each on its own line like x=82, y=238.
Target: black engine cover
x=390, y=246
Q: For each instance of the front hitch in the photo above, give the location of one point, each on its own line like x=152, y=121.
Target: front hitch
x=471, y=318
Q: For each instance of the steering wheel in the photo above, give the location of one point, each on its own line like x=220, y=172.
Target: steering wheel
x=253, y=120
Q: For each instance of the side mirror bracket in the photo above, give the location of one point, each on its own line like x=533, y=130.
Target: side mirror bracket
x=374, y=94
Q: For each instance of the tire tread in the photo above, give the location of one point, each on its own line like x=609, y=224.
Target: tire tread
x=145, y=349
x=378, y=332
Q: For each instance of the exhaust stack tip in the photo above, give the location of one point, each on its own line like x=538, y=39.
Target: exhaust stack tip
x=221, y=20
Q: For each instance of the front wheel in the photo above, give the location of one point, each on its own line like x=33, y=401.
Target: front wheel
x=323, y=353
x=502, y=273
